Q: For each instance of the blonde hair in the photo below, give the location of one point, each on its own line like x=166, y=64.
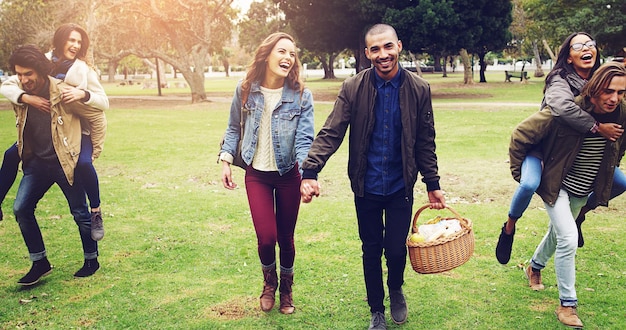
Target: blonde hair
x=602, y=79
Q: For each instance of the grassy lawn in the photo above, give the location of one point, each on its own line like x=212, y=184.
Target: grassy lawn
x=180, y=250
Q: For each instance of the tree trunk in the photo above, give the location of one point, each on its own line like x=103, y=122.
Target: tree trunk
x=549, y=50
x=483, y=66
x=418, y=70
x=538, y=70
x=327, y=63
x=226, y=65
x=467, y=67
x=445, y=66
x=437, y=64
x=111, y=70
x=362, y=62
x=195, y=79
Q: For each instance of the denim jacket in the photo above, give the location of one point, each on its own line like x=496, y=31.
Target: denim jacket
x=292, y=126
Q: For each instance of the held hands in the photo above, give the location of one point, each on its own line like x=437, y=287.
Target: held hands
x=437, y=200
x=70, y=94
x=611, y=131
x=227, y=176
x=309, y=188
x=37, y=102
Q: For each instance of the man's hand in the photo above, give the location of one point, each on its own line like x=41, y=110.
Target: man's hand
x=227, y=176
x=610, y=131
x=437, y=200
x=70, y=94
x=37, y=102
x=308, y=189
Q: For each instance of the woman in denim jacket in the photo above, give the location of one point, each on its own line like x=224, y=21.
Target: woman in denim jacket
x=278, y=121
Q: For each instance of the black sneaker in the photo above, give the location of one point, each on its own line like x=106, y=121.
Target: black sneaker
x=97, y=227
x=579, y=222
x=89, y=268
x=397, y=306
x=39, y=269
x=504, y=246
x=378, y=321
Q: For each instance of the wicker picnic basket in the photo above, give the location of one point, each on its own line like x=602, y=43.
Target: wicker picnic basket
x=442, y=254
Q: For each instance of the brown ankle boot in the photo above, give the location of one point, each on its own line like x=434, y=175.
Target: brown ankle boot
x=270, y=283
x=286, y=299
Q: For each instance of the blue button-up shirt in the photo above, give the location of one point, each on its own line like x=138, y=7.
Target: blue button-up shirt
x=384, y=159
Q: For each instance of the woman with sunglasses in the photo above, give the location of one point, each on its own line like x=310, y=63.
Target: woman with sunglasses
x=577, y=60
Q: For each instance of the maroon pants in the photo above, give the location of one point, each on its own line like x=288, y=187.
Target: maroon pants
x=274, y=203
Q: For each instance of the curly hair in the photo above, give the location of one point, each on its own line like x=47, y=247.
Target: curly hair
x=30, y=56
x=561, y=67
x=256, y=69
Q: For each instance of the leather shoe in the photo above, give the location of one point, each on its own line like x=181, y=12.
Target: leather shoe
x=534, y=279
x=378, y=321
x=397, y=306
x=504, y=246
x=39, y=269
x=568, y=316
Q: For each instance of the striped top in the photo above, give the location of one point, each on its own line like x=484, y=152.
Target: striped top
x=582, y=175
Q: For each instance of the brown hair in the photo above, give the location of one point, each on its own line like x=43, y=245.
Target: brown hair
x=61, y=36
x=602, y=78
x=30, y=56
x=256, y=69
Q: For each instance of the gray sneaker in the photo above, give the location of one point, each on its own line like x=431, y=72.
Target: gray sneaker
x=378, y=321
x=397, y=306
x=97, y=227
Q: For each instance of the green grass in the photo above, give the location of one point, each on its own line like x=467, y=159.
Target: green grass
x=180, y=250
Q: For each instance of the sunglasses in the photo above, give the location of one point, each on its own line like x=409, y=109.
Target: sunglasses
x=579, y=45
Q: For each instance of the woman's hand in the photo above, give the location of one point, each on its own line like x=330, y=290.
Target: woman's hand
x=37, y=102
x=611, y=131
x=70, y=94
x=227, y=176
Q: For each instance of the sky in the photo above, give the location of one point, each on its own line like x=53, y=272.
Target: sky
x=242, y=4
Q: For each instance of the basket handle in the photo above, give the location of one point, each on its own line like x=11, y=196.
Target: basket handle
x=462, y=221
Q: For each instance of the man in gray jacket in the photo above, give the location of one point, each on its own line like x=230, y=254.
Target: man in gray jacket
x=392, y=138
x=575, y=165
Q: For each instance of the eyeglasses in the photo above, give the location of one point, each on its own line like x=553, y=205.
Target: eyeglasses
x=579, y=45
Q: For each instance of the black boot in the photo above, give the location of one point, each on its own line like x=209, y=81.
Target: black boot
x=39, y=269
x=579, y=222
x=89, y=268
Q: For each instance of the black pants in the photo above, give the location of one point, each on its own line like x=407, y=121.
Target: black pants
x=388, y=236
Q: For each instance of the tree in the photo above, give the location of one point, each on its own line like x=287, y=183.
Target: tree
x=484, y=27
x=262, y=19
x=181, y=33
x=325, y=27
x=15, y=30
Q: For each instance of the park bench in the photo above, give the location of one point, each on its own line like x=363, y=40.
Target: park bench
x=522, y=75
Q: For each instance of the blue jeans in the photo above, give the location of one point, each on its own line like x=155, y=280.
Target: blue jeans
x=529, y=182
x=8, y=171
x=619, y=186
x=85, y=172
x=561, y=240
x=388, y=235
x=39, y=175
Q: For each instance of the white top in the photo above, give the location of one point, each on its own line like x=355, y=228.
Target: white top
x=264, y=156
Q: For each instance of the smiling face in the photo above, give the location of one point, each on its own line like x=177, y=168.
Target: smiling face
x=611, y=96
x=383, y=50
x=31, y=81
x=72, y=45
x=279, y=63
x=584, y=59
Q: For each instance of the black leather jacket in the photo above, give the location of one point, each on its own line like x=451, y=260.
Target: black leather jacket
x=354, y=108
